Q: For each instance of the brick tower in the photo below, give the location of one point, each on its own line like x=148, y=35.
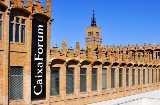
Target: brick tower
x=18, y=23
x=93, y=34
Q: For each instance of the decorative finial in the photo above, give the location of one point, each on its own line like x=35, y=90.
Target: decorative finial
x=93, y=21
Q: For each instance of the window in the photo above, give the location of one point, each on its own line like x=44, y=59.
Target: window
x=112, y=77
x=70, y=80
x=152, y=76
x=11, y=28
x=127, y=77
x=54, y=81
x=139, y=76
x=83, y=80
x=23, y=31
x=15, y=83
x=120, y=77
x=17, y=30
x=133, y=77
x=17, y=34
x=0, y=26
x=139, y=55
x=157, y=55
x=97, y=33
x=90, y=33
x=148, y=76
x=143, y=76
x=104, y=77
x=148, y=54
x=94, y=79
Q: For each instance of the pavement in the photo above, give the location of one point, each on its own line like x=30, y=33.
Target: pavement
x=147, y=98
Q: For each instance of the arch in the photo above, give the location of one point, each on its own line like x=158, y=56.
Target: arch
x=140, y=64
x=23, y=10
x=3, y=6
x=130, y=64
x=85, y=62
x=57, y=61
x=107, y=63
x=135, y=65
x=72, y=61
x=115, y=63
x=145, y=65
x=97, y=63
x=41, y=16
x=123, y=64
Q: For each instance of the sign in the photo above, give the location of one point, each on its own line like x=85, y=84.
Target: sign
x=38, y=60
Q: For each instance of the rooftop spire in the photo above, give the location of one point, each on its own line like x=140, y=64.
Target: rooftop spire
x=93, y=21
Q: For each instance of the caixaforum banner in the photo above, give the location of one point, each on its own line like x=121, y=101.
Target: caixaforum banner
x=38, y=60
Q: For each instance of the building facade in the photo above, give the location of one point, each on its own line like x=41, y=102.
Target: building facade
x=73, y=77
x=16, y=45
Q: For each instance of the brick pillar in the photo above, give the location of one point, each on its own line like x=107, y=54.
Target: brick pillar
x=63, y=81
x=124, y=76
x=27, y=68
x=109, y=78
x=5, y=58
x=117, y=77
x=77, y=48
x=158, y=75
x=154, y=78
x=99, y=79
x=77, y=80
x=89, y=82
x=47, y=62
x=150, y=75
x=130, y=76
x=136, y=77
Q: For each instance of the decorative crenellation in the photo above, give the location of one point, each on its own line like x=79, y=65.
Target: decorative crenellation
x=30, y=7
x=148, y=55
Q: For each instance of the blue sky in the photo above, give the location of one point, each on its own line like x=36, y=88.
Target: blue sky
x=121, y=21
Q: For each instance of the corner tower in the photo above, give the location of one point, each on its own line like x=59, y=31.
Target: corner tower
x=93, y=34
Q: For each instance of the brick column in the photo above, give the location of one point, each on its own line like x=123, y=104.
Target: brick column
x=109, y=78
x=116, y=77
x=99, y=79
x=27, y=69
x=124, y=76
x=141, y=77
x=6, y=58
x=150, y=76
x=154, y=77
x=47, y=62
x=63, y=81
x=130, y=77
x=136, y=77
x=77, y=80
x=89, y=76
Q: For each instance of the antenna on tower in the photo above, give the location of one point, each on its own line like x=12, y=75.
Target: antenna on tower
x=93, y=20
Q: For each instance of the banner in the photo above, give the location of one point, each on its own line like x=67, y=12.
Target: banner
x=38, y=60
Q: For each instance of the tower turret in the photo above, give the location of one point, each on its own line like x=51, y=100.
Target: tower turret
x=93, y=34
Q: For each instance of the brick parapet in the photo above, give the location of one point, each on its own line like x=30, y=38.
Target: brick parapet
x=122, y=55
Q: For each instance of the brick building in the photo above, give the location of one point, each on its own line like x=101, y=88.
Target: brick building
x=73, y=77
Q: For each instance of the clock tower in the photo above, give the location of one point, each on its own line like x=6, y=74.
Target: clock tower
x=93, y=35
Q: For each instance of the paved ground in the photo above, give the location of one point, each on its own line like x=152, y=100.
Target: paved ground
x=153, y=96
